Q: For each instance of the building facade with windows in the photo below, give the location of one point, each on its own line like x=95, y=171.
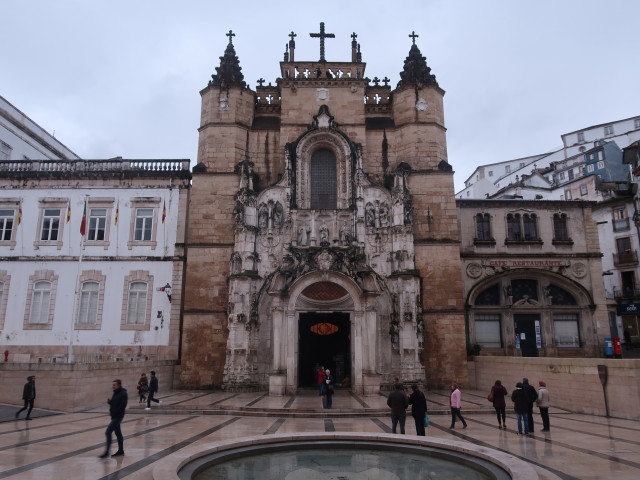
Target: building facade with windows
x=91, y=259
x=532, y=277
x=322, y=229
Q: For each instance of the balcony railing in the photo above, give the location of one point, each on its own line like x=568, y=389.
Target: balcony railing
x=626, y=258
x=83, y=166
x=620, y=224
x=626, y=292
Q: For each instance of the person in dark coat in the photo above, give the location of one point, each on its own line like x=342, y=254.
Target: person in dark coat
x=418, y=403
x=521, y=406
x=398, y=402
x=117, y=406
x=29, y=396
x=533, y=396
x=499, y=392
x=153, y=389
x=329, y=388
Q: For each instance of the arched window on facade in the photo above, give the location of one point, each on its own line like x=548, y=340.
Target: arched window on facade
x=88, y=313
x=137, y=304
x=514, y=232
x=40, y=302
x=530, y=227
x=483, y=227
x=323, y=180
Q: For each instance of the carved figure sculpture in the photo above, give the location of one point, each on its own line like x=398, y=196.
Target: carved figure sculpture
x=344, y=234
x=263, y=217
x=303, y=236
x=278, y=214
x=394, y=332
x=369, y=216
x=324, y=234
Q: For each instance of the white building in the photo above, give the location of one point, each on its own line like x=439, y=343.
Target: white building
x=23, y=139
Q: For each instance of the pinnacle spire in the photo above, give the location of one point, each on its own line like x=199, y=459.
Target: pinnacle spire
x=415, y=68
x=229, y=72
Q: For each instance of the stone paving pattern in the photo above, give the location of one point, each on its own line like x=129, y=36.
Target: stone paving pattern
x=66, y=445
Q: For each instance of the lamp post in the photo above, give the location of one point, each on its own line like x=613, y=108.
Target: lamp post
x=167, y=289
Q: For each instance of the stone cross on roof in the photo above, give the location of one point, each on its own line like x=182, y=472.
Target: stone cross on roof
x=322, y=36
x=413, y=36
x=230, y=35
x=293, y=36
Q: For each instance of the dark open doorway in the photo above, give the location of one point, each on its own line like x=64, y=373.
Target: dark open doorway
x=325, y=339
x=527, y=328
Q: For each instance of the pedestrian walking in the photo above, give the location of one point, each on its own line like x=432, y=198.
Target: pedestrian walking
x=29, y=396
x=117, y=406
x=321, y=388
x=418, y=403
x=521, y=406
x=143, y=387
x=543, y=402
x=153, y=389
x=398, y=402
x=532, y=395
x=329, y=388
x=498, y=392
x=456, y=405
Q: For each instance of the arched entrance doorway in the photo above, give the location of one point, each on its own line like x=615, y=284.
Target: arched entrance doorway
x=324, y=339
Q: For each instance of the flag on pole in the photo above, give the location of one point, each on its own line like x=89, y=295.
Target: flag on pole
x=19, y=213
x=164, y=210
x=115, y=220
x=83, y=224
x=68, y=212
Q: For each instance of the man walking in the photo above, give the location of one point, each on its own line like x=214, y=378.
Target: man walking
x=398, y=403
x=456, y=404
x=532, y=396
x=29, y=396
x=117, y=406
x=543, y=404
x=418, y=403
x=153, y=389
x=520, y=400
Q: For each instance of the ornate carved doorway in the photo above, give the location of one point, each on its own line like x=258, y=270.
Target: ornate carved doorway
x=324, y=339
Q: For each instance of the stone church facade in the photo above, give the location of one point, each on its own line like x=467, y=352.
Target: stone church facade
x=322, y=230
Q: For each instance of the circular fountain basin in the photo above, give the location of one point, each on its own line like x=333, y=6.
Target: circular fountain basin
x=341, y=456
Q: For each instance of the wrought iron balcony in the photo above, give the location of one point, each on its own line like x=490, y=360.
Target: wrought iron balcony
x=621, y=224
x=626, y=292
x=626, y=258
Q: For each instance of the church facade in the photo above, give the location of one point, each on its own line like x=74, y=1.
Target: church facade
x=322, y=230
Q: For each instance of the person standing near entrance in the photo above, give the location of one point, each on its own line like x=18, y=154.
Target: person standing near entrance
x=456, y=404
x=329, y=388
x=398, y=402
x=29, y=396
x=543, y=404
x=117, y=406
x=418, y=403
x=520, y=400
x=321, y=386
x=532, y=395
x=153, y=389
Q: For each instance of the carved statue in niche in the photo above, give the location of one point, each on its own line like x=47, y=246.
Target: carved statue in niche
x=324, y=234
x=278, y=214
x=238, y=213
x=394, y=332
x=369, y=215
x=303, y=236
x=263, y=216
x=408, y=213
x=344, y=235
x=420, y=332
x=384, y=214
x=246, y=174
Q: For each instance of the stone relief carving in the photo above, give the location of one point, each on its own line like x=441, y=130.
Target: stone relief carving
x=324, y=234
x=303, y=236
x=344, y=235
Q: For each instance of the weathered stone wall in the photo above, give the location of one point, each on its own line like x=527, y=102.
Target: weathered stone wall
x=75, y=387
x=573, y=383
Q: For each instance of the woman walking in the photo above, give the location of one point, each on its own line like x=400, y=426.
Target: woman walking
x=328, y=388
x=498, y=393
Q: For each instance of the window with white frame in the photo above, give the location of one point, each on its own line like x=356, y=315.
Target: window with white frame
x=144, y=223
x=5, y=151
x=583, y=190
x=566, y=330
x=507, y=168
x=51, y=222
x=590, y=168
x=89, y=295
x=50, y=227
x=561, y=175
x=567, y=194
x=40, y=303
x=491, y=173
x=521, y=165
x=608, y=130
x=137, y=304
x=4, y=291
x=580, y=137
x=97, y=224
x=487, y=330
x=600, y=165
x=7, y=217
x=636, y=123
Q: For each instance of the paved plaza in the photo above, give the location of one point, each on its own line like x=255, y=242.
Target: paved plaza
x=66, y=445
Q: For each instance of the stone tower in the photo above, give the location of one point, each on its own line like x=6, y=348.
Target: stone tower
x=322, y=230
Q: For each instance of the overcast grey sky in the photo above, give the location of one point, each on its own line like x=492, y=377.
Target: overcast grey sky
x=122, y=77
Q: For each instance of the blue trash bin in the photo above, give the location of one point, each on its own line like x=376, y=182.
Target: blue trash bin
x=608, y=347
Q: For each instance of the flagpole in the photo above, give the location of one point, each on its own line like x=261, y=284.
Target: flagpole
x=76, y=301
